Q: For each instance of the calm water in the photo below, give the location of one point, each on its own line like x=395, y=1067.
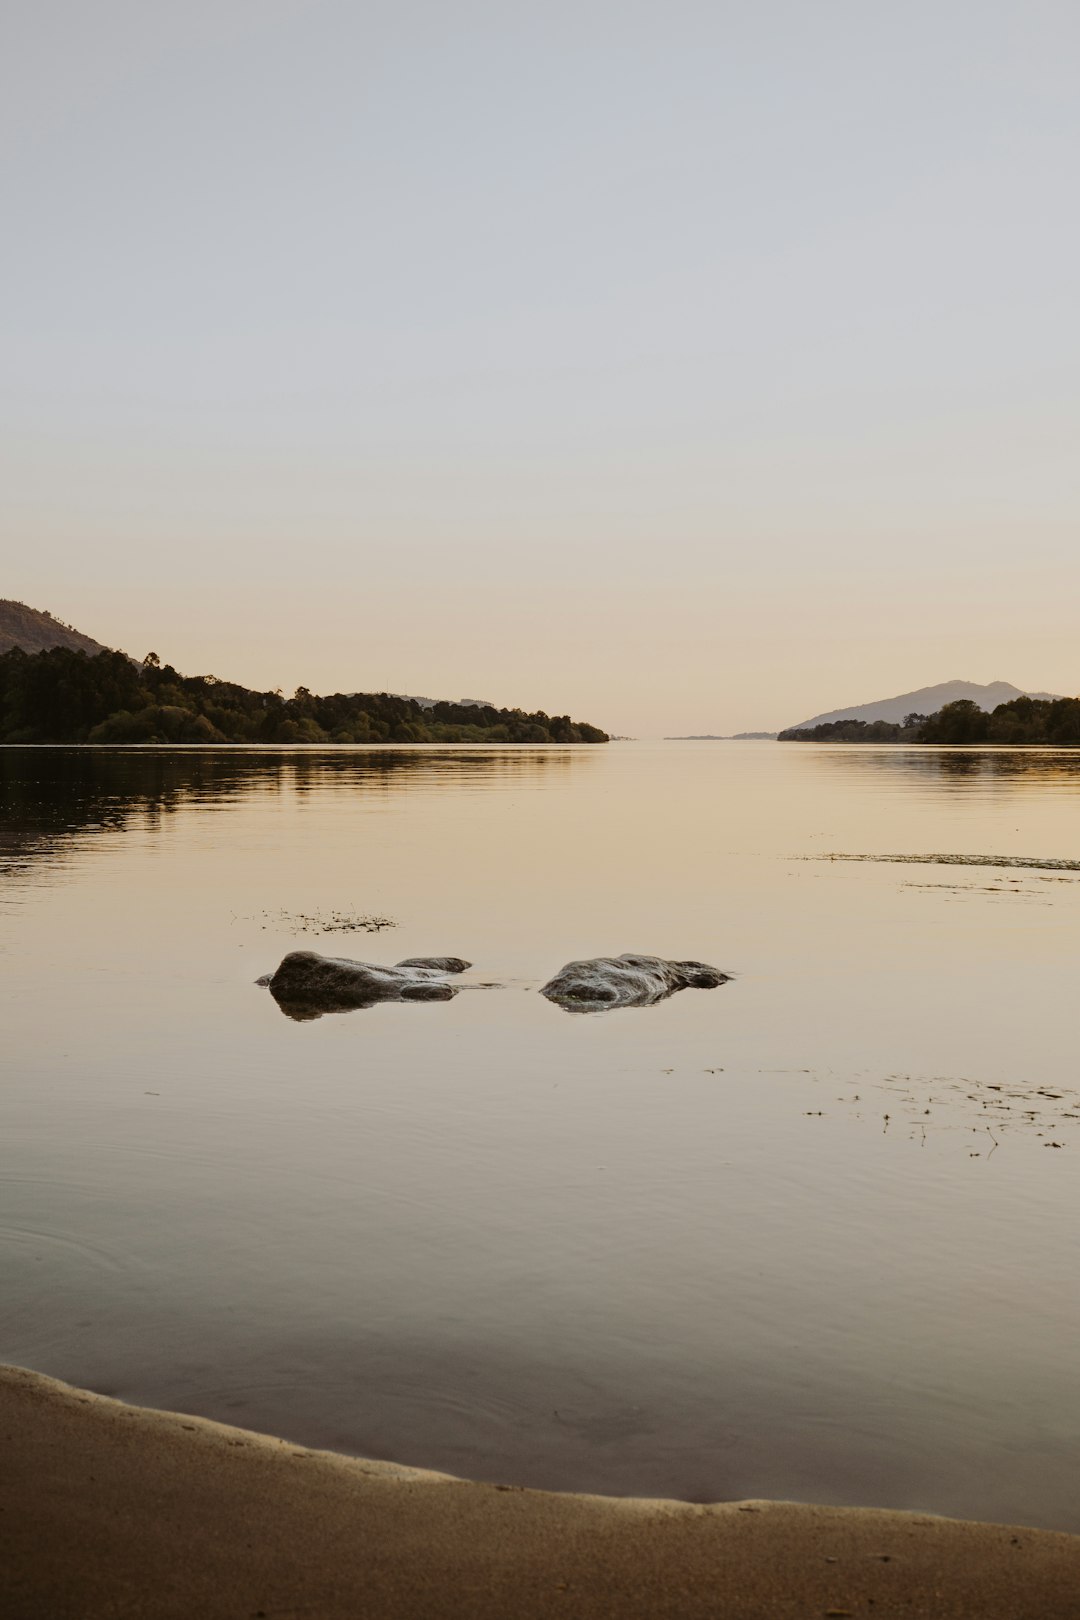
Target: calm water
x=808, y=1235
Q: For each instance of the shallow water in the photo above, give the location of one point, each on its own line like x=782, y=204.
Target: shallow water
x=812, y=1234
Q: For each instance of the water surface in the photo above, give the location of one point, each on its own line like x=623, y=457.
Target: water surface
x=810, y=1235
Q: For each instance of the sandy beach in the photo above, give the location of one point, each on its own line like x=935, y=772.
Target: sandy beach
x=110, y=1510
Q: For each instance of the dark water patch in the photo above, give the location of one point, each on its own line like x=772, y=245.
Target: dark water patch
x=52, y=795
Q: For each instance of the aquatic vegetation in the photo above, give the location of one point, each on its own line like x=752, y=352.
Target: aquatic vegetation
x=1033, y=863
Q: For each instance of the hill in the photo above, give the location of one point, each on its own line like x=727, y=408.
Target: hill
x=66, y=696
x=926, y=700
x=33, y=632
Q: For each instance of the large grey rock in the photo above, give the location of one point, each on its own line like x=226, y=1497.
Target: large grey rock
x=305, y=984
x=603, y=982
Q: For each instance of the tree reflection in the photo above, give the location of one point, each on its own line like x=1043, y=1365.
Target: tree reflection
x=49, y=796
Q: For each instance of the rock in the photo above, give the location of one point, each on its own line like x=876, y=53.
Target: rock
x=305, y=984
x=603, y=982
x=437, y=964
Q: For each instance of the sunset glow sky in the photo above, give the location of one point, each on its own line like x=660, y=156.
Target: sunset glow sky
x=684, y=366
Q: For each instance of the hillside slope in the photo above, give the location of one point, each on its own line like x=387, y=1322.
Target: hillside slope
x=33, y=632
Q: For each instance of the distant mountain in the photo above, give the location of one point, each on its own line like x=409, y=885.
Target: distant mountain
x=25, y=627
x=429, y=703
x=927, y=700
x=720, y=736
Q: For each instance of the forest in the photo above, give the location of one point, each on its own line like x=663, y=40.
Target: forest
x=61, y=696
x=1052, y=722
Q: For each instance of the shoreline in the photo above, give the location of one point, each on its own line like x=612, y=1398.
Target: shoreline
x=109, y=1510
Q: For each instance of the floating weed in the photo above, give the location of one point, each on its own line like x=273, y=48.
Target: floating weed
x=323, y=922
x=921, y=1105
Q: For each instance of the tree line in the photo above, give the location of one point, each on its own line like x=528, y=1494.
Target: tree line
x=1053, y=721
x=60, y=696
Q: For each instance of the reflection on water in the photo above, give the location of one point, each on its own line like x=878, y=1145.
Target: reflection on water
x=50, y=793
x=306, y=1008
x=1008, y=767
x=811, y=1238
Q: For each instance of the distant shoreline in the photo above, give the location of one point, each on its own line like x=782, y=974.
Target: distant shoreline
x=1022, y=722
x=64, y=696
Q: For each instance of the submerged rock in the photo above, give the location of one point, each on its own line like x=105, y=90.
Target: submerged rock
x=305, y=984
x=603, y=982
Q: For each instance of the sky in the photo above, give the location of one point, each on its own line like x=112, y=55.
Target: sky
x=681, y=366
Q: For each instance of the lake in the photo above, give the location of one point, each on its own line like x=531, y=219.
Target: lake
x=810, y=1235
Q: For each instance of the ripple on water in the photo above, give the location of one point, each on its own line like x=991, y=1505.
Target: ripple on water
x=39, y=1238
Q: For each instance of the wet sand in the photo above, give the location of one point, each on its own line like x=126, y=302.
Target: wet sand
x=110, y=1511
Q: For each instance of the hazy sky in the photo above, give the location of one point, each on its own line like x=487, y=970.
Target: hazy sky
x=687, y=366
